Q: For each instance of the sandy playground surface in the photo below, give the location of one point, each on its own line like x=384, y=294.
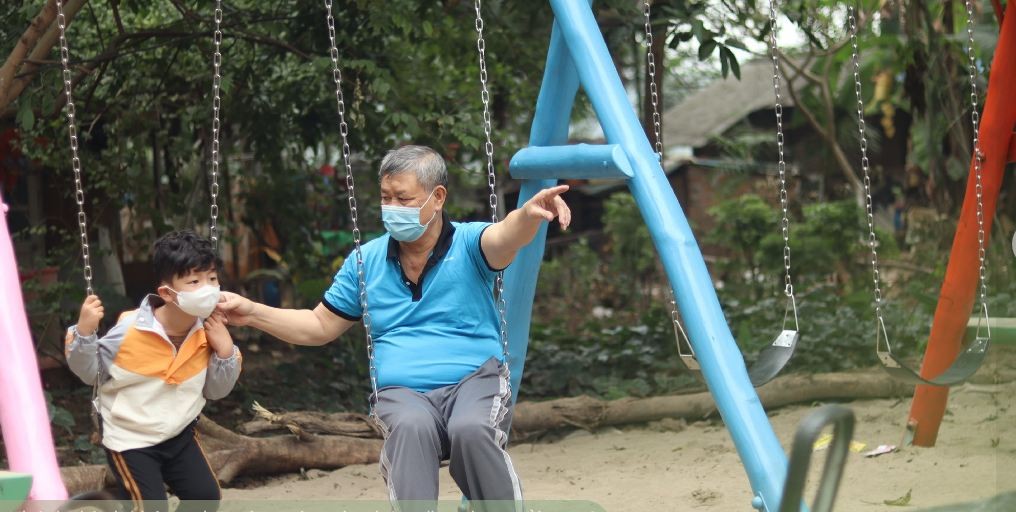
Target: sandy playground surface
x=674, y=466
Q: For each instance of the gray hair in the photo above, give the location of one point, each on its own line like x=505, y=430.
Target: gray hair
x=425, y=162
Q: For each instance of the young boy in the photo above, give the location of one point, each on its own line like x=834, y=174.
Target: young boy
x=155, y=369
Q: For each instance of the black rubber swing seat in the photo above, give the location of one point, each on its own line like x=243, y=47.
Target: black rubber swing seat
x=964, y=367
x=773, y=357
x=767, y=366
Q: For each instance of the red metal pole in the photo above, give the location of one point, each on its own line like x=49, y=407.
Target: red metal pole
x=956, y=300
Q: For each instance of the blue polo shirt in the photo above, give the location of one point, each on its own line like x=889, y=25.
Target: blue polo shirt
x=432, y=333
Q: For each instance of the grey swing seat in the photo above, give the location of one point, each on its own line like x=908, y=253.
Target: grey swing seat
x=962, y=368
x=771, y=359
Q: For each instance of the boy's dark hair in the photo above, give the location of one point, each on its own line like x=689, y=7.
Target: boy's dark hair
x=177, y=253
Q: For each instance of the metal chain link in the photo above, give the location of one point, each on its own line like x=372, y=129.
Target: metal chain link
x=344, y=132
x=675, y=316
x=788, y=286
x=216, y=107
x=491, y=178
x=978, y=157
x=72, y=130
x=865, y=167
x=653, y=91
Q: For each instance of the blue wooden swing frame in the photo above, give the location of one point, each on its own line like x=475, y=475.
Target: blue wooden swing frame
x=578, y=56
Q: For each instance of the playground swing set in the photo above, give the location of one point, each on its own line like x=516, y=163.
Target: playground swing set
x=578, y=56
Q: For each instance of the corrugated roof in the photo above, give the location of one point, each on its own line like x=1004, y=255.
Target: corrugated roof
x=715, y=108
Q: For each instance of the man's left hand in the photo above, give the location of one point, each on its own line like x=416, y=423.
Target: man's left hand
x=548, y=205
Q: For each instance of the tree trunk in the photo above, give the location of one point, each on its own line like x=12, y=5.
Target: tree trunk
x=531, y=419
x=39, y=38
x=25, y=44
x=231, y=454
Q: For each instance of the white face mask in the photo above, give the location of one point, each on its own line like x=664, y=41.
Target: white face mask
x=200, y=302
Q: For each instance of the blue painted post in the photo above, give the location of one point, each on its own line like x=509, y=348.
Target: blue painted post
x=550, y=128
x=571, y=162
x=722, y=365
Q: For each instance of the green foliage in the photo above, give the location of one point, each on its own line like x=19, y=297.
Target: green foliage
x=717, y=31
x=833, y=236
x=58, y=416
x=604, y=359
x=581, y=272
x=744, y=222
x=52, y=303
x=632, y=253
x=144, y=113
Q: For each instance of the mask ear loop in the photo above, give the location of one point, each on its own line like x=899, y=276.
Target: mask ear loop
x=425, y=204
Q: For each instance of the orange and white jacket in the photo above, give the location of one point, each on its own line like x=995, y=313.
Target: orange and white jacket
x=148, y=390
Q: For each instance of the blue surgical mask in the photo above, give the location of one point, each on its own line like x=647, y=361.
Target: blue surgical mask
x=403, y=222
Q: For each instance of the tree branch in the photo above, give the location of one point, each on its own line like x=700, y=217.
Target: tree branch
x=184, y=11
x=827, y=97
x=12, y=87
x=256, y=38
x=25, y=43
x=98, y=28
x=798, y=104
x=115, y=4
x=800, y=70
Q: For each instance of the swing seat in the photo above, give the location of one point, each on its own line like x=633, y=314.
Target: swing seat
x=964, y=367
x=774, y=357
x=769, y=364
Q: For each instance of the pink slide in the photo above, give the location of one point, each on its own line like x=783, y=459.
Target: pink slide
x=23, y=417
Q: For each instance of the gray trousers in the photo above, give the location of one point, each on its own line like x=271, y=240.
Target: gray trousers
x=464, y=423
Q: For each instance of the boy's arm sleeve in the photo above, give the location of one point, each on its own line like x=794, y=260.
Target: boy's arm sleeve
x=82, y=352
x=222, y=374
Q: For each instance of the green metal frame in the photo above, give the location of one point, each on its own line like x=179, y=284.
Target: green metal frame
x=1003, y=330
x=14, y=489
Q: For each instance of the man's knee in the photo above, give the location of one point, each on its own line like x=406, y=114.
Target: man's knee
x=466, y=431
x=410, y=423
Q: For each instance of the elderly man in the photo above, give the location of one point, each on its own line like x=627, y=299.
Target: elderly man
x=442, y=380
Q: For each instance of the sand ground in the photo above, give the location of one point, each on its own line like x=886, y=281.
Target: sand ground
x=678, y=466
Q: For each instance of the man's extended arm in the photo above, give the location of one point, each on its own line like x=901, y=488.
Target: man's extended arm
x=503, y=240
x=296, y=326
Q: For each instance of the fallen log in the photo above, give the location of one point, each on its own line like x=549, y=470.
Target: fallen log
x=330, y=441
x=311, y=422
x=231, y=455
x=534, y=418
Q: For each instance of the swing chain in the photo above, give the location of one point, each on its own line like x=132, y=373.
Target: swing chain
x=866, y=168
x=344, y=132
x=788, y=286
x=72, y=130
x=491, y=178
x=653, y=91
x=675, y=316
x=978, y=157
x=216, y=107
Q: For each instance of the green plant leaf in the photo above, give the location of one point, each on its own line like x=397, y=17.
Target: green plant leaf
x=25, y=116
x=706, y=49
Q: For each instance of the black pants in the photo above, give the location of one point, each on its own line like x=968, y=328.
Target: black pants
x=179, y=463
